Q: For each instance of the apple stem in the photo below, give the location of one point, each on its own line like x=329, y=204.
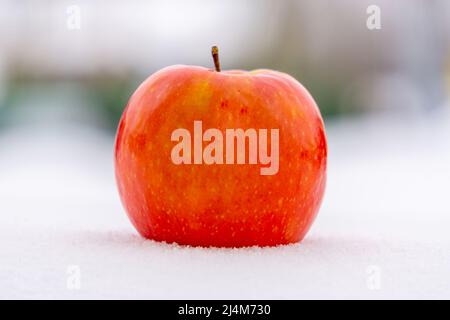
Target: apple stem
x=215, y=55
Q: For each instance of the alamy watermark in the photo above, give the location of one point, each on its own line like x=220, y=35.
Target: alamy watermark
x=373, y=280
x=73, y=281
x=73, y=21
x=227, y=149
x=373, y=21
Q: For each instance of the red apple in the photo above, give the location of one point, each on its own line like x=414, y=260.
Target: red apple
x=221, y=158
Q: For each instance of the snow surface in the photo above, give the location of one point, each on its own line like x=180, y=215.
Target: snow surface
x=383, y=230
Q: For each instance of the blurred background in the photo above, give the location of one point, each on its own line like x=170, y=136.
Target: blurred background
x=79, y=61
x=67, y=69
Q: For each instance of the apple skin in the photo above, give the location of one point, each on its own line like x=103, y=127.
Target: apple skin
x=220, y=205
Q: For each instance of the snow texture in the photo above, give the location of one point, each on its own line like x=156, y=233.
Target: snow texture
x=383, y=230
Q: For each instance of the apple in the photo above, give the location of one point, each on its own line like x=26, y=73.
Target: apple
x=205, y=157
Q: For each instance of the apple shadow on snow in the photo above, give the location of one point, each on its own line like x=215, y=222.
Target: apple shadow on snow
x=311, y=245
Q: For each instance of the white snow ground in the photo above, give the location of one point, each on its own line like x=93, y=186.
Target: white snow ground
x=383, y=230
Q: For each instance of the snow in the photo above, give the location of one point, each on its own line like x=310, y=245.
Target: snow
x=382, y=231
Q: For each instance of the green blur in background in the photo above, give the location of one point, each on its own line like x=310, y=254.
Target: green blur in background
x=80, y=61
